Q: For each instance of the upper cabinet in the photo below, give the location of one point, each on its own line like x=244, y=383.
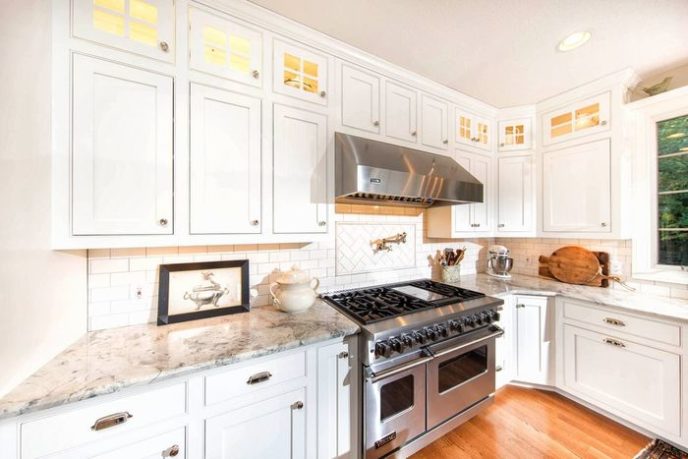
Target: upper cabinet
x=223, y=47
x=473, y=130
x=360, y=99
x=433, y=116
x=121, y=150
x=224, y=162
x=401, y=106
x=575, y=120
x=140, y=26
x=515, y=203
x=576, y=189
x=516, y=134
x=299, y=72
x=300, y=191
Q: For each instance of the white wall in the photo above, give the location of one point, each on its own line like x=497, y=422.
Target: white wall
x=42, y=293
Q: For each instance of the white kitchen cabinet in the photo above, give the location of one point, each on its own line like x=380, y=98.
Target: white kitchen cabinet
x=578, y=119
x=534, y=340
x=140, y=26
x=274, y=428
x=225, y=162
x=473, y=130
x=639, y=383
x=504, y=347
x=360, y=99
x=464, y=219
x=515, y=197
x=336, y=390
x=576, y=188
x=300, y=72
x=401, y=106
x=121, y=151
x=433, y=119
x=300, y=171
x=224, y=47
x=516, y=134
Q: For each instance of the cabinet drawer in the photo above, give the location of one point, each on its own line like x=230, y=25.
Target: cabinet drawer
x=618, y=322
x=74, y=427
x=244, y=380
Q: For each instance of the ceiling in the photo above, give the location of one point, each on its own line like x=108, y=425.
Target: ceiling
x=504, y=51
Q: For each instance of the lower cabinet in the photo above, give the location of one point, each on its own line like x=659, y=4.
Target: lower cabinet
x=636, y=382
x=534, y=340
x=274, y=428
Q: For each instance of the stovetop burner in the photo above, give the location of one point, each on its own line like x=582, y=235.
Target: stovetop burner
x=374, y=304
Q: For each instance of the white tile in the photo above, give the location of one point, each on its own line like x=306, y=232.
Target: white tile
x=144, y=264
x=109, y=293
x=102, y=265
x=135, y=277
x=98, y=280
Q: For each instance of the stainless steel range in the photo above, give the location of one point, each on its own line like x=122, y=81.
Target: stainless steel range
x=428, y=356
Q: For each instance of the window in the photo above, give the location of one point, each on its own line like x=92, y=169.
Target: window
x=672, y=189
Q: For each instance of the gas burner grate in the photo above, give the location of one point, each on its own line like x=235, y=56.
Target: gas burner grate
x=374, y=304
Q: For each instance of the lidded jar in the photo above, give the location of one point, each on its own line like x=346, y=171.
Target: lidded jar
x=294, y=290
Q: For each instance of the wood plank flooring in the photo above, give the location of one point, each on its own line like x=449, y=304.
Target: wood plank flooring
x=532, y=424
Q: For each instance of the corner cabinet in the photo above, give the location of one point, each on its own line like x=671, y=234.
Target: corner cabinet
x=122, y=155
x=576, y=188
x=515, y=134
x=300, y=171
x=534, y=340
x=515, y=194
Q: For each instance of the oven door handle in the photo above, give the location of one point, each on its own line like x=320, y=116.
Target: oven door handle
x=448, y=349
x=375, y=377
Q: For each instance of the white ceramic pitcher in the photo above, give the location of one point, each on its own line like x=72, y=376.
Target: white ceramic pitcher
x=294, y=291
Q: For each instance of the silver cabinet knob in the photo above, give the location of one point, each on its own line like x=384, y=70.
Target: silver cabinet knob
x=343, y=355
x=323, y=94
x=255, y=74
x=172, y=451
x=164, y=46
x=603, y=123
x=163, y=222
x=501, y=225
x=501, y=144
x=604, y=224
x=414, y=133
x=376, y=123
x=322, y=223
x=254, y=222
x=445, y=141
x=297, y=405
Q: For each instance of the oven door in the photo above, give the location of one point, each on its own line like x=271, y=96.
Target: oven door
x=461, y=374
x=394, y=407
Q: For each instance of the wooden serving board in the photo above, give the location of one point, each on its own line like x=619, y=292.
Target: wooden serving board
x=574, y=265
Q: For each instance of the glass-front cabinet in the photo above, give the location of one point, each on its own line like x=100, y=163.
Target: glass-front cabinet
x=515, y=134
x=300, y=73
x=472, y=130
x=140, y=26
x=576, y=120
x=225, y=48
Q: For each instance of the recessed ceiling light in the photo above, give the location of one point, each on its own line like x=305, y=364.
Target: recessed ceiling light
x=573, y=41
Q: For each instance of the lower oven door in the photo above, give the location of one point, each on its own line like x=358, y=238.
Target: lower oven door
x=461, y=374
x=394, y=407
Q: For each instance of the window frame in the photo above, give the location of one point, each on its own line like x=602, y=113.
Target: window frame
x=642, y=123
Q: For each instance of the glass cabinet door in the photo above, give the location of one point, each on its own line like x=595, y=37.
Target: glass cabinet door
x=472, y=130
x=576, y=120
x=515, y=134
x=224, y=48
x=140, y=26
x=300, y=73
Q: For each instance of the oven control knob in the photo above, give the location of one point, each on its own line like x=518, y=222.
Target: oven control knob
x=456, y=326
x=383, y=349
x=419, y=337
x=397, y=345
x=494, y=315
x=483, y=318
x=441, y=330
x=406, y=340
x=468, y=321
x=431, y=334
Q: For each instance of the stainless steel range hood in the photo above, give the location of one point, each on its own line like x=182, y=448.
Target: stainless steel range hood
x=371, y=172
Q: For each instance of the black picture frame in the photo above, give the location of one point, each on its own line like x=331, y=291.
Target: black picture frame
x=164, y=318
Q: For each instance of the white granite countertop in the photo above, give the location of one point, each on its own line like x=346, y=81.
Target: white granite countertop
x=107, y=361
x=663, y=307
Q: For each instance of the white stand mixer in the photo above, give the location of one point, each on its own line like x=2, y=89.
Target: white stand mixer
x=499, y=263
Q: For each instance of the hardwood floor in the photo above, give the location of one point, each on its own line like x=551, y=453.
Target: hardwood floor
x=532, y=424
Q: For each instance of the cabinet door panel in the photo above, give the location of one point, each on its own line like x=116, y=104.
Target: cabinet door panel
x=532, y=340
x=483, y=133
x=639, y=383
x=577, y=188
x=360, y=100
x=576, y=120
x=152, y=448
x=434, y=122
x=299, y=171
x=275, y=428
x=462, y=212
x=140, y=26
x=515, y=134
x=334, y=401
x=224, y=48
x=515, y=195
x=225, y=162
x=480, y=169
x=299, y=73
x=400, y=112
x=122, y=150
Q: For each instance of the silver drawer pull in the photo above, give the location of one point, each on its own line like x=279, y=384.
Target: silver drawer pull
x=259, y=377
x=164, y=46
x=499, y=368
x=613, y=342
x=297, y=405
x=172, y=451
x=111, y=420
x=343, y=355
x=520, y=305
x=616, y=322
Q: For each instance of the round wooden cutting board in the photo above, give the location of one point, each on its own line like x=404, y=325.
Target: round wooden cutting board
x=574, y=265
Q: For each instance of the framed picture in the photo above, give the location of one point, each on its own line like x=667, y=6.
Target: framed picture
x=190, y=291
